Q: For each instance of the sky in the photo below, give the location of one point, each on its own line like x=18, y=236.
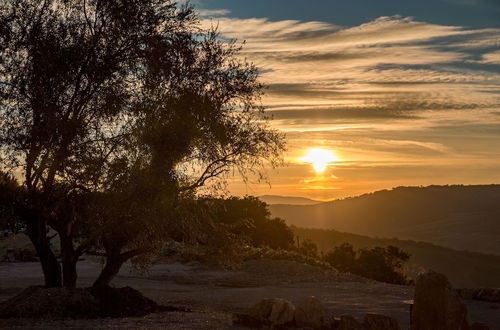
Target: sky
x=398, y=92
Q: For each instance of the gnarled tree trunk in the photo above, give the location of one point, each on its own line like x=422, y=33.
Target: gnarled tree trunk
x=69, y=260
x=110, y=270
x=115, y=258
x=50, y=265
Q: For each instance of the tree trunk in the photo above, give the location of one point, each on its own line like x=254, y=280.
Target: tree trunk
x=69, y=272
x=50, y=266
x=69, y=258
x=110, y=270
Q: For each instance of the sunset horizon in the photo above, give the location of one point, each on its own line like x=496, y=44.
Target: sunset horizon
x=401, y=94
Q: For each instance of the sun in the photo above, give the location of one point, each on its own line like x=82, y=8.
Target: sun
x=320, y=159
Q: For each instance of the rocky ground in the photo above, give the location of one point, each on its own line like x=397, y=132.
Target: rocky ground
x=213, y=295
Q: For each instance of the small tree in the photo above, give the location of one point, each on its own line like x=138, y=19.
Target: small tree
x=308, y=248
x=343, y=257
x=378, y=263
x=250, y=217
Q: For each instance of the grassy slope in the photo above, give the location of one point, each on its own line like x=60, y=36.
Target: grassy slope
x=459, y=217
x=463, y=268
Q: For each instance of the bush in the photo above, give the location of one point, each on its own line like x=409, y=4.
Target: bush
x=308, y=248
x=268, y=253
x=378, y=263
x=249, y=217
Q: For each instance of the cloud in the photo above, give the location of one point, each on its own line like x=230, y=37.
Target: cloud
x=213, y=12
x=491, y=58
x=322, y=64
x=390, y=97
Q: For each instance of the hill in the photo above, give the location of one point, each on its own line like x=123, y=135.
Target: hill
x=459, y=217
x=463, y=268
x=273, y=199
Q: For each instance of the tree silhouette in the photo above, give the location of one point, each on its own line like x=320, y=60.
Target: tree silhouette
x=115, y=111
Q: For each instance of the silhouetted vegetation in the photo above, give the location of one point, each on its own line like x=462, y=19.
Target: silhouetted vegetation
x=116, y=113
x=378, y=263
x=11, y=197
x=250, y=217
x=463, y=268
x=308, y=248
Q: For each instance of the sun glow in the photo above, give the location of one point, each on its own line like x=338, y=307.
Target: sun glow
x=320, y=159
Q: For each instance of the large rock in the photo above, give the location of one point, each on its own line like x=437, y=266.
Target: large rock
x=310, y=313
x=436, y=305
x=479, y=326
x=273, y=311
x=347, y=322
x=380, y=322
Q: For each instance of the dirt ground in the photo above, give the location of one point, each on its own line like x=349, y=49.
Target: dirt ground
x=213, y=295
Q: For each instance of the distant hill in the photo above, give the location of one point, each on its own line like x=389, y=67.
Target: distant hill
x=459, y=217
x=463, y=269
x=273, y=199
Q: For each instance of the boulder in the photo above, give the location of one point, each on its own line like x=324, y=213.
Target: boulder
x=380, y=322
x=479, y=326
x=310, y=313
x=437, y=305
x=273, y=311
x=347, y=322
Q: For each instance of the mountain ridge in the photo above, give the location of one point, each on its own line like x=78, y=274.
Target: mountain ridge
x=463, y=217
x=287, y=200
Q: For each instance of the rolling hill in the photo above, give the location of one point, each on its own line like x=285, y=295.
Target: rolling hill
x=458, y=217
x=463, y=268
x=274, y=199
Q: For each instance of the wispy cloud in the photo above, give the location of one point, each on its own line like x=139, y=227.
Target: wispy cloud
x=390, y=96
x=491, y=58
x=213, y=12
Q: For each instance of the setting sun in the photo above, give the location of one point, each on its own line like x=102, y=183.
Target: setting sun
x=320, y=159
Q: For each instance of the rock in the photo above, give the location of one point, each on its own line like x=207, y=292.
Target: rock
x=437, y=305
x=248, y=321
x=380, y=322
x=347, y=322
x=310, y=313
x=273, y=311
x=479, y=326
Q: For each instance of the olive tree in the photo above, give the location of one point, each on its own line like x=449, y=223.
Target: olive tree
x=114, y=112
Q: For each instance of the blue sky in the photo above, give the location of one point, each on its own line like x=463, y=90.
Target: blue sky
x=471, y=13
x=401, y=92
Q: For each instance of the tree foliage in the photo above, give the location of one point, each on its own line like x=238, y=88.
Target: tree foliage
x=378, y=263
x=308, y=248
x=116, y=112
x=249, y=217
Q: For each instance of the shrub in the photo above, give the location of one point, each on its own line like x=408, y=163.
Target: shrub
x=308, y=248
x=378, y=263
x=268, y=253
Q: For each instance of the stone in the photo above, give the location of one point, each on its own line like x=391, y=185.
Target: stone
x=380, y=322
x=310, y=313
x=273, y=311
x=479, y=326
x=437, y=305
x=347, y=322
